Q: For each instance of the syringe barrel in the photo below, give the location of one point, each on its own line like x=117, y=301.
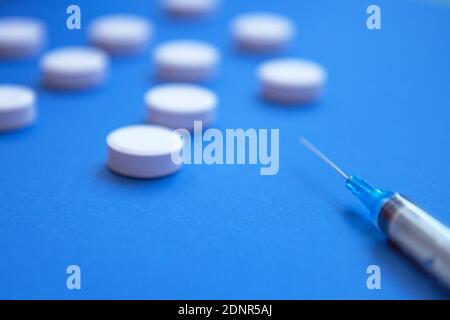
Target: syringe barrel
x=419, y=235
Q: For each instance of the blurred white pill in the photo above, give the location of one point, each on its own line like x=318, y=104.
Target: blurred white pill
x=292, y=80
x=186, y=60
x=21, y=37
x=189, y=8
x=179, y=105
x=74, y=68
x=262, y=32
x=143, y=151
x=120, y=34
x=17, y=107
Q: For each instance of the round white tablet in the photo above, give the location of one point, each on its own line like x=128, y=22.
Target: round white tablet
x=120, y=34
x=179, y=105
x=143, y=151
x=262, y=32
x=21, y=37
x=189, y=8
x=17, y=107
x=292, y=80
x=186, y=60
x=73, y=68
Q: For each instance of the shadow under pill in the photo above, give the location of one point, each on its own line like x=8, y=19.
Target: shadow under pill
x=69, y=93
x=289, y=107
x=16, y=133
x=257, y=56
x=106, y=175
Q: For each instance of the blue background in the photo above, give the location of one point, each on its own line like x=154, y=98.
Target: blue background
x=212, y=232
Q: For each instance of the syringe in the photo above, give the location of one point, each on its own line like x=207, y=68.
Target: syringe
x=415, y=232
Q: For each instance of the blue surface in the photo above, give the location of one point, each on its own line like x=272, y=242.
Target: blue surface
x=225, y=231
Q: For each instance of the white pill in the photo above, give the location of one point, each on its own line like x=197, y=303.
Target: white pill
x=21, y=37
x=120, y=34
x=189, y=8
x=17, y=107
x=262, y=32
x=74, y=68
x=186, y=60
x=143, y=151
x=292, y=80
x=179, y=105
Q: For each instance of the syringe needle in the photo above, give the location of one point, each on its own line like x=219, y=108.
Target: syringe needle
x=323, y=157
